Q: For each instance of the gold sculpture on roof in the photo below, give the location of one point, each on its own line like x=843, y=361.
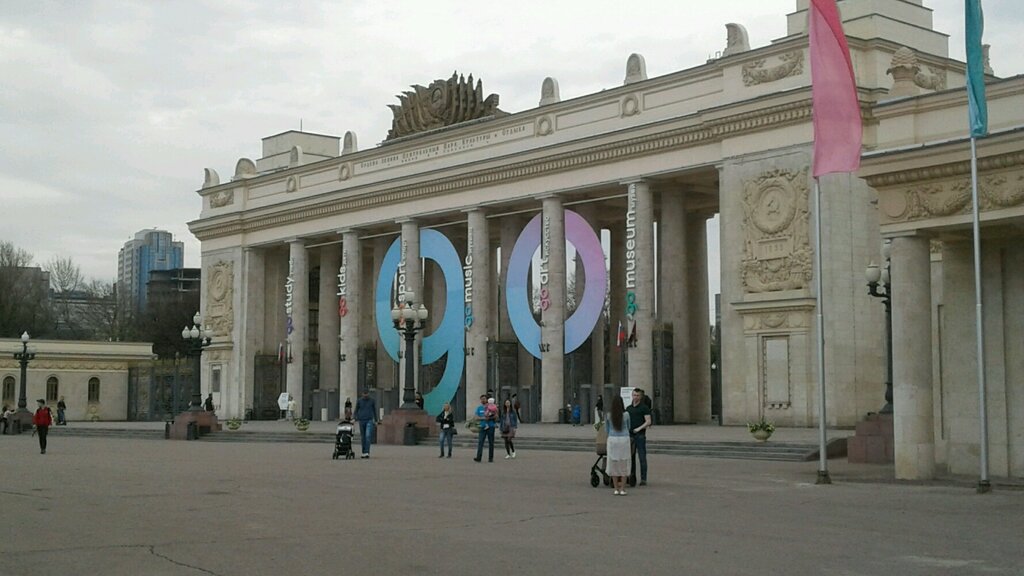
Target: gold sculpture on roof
x=443, y=103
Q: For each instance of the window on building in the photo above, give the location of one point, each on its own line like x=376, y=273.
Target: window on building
x=8, y=389
x=94, y=390
x=215, y=378
x=52, y=389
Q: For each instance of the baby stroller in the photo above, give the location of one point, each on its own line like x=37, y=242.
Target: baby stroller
x=343, y=440
x=597, y=471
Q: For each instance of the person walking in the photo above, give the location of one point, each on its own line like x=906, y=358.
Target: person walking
x=5, y=418
x=486, y=417
x=640, y=420
x=61, y=409
x=599, y=409
x=446, y=424
x=509, y=425
x=208, y=405
x=291, y=407
x=42, y=420
x=617, y=452
x=366, y=414
x=348, y=408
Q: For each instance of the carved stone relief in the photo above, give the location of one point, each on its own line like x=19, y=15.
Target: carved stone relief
x=345, y=172
x=210, y=178
x=777, y=253
x=636, y=69
x=787, y=319
x=549, y=92
x=545, y=126
x=350, y=143
x=630, y=105
x=443, y=103
x=244, y=168
x=222, y=199
x=952, y=197
x=292, y=185
x=220, y=315
x=792, y=64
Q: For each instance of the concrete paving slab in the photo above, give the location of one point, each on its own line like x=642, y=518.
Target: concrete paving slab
x=112, y=506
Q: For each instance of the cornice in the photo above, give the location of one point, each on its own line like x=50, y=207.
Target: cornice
x=704, y=132
x=997, y=162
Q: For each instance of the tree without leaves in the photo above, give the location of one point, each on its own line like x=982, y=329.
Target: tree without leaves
x=24, y=305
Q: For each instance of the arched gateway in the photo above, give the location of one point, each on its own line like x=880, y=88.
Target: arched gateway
x=293, y=246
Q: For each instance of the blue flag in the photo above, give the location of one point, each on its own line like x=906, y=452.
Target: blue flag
x=978, y=108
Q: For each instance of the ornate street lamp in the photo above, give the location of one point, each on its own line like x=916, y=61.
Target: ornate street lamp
x=409, y=320
x=22, y=415
x=880, y=277
x=197, y=338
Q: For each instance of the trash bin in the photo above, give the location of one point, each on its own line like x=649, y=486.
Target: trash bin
x=167, y=430
x=563, y=416
x=409, y=439
x=192, y=431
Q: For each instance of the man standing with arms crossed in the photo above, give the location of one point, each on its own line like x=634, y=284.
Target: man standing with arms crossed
x=640, y=420
x=366, y=414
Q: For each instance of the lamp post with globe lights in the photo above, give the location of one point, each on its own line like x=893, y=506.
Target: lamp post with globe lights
x=197, y=338
x=408, y=320
x=22, y=418
x=880, y=277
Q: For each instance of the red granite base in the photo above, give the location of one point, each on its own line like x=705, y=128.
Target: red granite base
x=206, y=422
x=392, y=427
x=873, y=443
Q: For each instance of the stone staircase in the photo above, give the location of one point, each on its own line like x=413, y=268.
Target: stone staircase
x=774, y=451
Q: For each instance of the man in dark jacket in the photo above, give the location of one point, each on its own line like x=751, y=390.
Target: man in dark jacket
x=366, y=414
x=42, y=420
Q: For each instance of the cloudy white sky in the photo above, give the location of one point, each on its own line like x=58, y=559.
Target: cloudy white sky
x=109, y=111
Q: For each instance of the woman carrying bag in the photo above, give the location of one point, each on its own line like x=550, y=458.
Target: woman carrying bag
x=509, y=425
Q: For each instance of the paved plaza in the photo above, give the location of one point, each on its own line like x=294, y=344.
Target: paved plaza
x=114, y=506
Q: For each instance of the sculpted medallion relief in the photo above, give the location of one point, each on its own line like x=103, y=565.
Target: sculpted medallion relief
x=220, y=314
x=792, y=64
x=777, y=253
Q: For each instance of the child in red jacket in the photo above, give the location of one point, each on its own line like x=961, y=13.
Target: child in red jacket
x=42, y=420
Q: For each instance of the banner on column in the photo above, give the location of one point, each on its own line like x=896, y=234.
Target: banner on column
x=517, y=294
x=449, y=337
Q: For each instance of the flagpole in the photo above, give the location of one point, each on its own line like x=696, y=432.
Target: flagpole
x=823, y=476
x=983, y=483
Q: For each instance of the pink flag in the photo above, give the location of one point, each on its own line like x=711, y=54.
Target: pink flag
x=837, y=123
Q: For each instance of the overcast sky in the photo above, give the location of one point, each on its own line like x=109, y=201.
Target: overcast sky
x=109, y=111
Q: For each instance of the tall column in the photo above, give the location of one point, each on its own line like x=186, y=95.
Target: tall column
x=597, y=376
x=252, y=325
x=616, y=305
x=698, y=316
x=673, y=305
x=411, y=267
x=552, y=284
x=639, y=263
x=478, y=305
x=914, y=433
x=510, y=228
x=297, y=321
x=328, y=319
x=386, y=370
x=350, y=312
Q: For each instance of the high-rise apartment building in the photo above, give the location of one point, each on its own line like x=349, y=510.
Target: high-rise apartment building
x=150, y=250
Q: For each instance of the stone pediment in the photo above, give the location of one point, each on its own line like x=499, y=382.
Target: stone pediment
x=444, y=103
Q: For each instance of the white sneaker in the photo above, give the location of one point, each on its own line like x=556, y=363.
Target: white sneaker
x=616, y=492
x=507, y=456
x=513, y=454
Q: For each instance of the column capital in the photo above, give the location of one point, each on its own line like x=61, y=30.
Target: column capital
x=403, y=221
x=632, y=181
x=349, y=230
x=295, y=240
x=548, y=196
x=474, y=209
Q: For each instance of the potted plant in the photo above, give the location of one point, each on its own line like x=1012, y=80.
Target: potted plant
x=234, y=423
x=302, y=424
x=762, y=429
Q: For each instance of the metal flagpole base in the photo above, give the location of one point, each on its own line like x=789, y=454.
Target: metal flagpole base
x=823, y=477
x=984, y=487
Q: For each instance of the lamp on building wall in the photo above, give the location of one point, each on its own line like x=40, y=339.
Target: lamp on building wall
x=409, y=319
x=197, y=338
x=880, y=277
x=22, y=418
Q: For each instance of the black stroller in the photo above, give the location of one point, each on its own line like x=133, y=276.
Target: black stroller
x=597, y=471
x=343, y=440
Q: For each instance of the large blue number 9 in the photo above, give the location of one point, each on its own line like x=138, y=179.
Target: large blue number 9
x=449, y=338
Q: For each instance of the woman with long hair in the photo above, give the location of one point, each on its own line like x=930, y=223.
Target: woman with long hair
x=509, y=425
x=446, y=424
x=617, y=448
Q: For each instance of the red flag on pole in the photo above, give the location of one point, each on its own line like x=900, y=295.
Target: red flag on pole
x=837, y=122
x=620, y=336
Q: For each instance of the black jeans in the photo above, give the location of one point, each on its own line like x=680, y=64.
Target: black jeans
x=640, y=451
x=487, y=432
x=41, y=432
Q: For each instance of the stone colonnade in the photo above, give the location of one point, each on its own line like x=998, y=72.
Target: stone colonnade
x=352, y=357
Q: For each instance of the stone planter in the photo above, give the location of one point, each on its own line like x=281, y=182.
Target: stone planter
x=302, y=425
x=233, y=424
x=761, y=435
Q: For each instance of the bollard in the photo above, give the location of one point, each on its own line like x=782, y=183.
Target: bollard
x=409, y=439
